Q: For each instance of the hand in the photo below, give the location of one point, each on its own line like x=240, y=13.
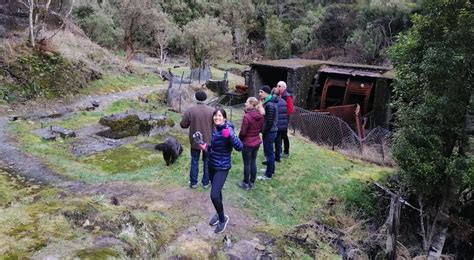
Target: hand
x=203, y=146
x=226, y=132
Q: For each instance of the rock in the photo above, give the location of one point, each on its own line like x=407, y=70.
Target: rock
x=227, y=241
x=52, y=132
x=86, y=223
x=88, y=107
x=95, y=103
x=114, y=201
x=13, y=117
x=143, y=99
x=63, y=132
x=131, y=124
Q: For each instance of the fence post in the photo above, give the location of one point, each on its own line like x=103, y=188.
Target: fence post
x=180, y=82
x=382, y=150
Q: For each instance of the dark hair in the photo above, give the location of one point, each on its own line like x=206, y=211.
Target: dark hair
x=220, y=109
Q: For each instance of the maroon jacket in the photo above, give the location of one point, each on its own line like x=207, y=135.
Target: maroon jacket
x=252, y=125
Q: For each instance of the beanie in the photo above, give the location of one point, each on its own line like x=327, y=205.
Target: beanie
x=266, y=89
x=200, y=96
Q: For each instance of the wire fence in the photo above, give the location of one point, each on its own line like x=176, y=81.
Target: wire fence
x=323, y=129
x=335, y=133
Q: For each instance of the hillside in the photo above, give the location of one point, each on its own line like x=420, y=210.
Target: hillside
x=72, y=187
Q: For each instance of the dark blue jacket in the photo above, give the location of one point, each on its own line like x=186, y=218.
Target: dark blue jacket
x=282, y=115
x=271, y=116
x=221, y=147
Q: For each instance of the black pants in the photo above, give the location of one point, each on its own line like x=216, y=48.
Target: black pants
x=282, y=136
x=218, y=178
x=249, y=155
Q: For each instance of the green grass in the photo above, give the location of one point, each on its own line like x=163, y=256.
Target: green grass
x=228, y=65
x=33, y=217
x=117, y=83
x=298, y=193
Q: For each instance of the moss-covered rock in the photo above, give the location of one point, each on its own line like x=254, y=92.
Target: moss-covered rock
x=131, y=124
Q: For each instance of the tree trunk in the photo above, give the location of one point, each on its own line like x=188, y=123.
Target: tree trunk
x=130, y=51
x=437, y=245
x=32, y=27
x=392, y=228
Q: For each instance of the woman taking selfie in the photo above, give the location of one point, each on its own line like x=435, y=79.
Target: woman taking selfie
x=222, y=142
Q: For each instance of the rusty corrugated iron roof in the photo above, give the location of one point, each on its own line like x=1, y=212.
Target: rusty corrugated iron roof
x=383, y=72
x=359, y=71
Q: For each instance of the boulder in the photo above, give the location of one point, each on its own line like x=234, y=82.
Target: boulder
x=50, y=133
x=131, y=124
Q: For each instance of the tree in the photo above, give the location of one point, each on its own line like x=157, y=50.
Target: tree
x=44, y=13
x=99, y=26
x=278, y=41
x=136, y=20
x=434, y=64
x=164, y=31
x=302, y=36
x=205, y=39
x=239, y=17
x=376, y=31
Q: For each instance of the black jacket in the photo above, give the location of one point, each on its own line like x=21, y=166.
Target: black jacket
x=271, y=116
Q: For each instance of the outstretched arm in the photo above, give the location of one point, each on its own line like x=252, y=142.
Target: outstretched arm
x=236, y=143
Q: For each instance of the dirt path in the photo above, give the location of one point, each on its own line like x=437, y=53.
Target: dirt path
x=197, y=239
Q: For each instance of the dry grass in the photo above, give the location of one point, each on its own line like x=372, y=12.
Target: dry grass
x=371, y=154
x=79, y=48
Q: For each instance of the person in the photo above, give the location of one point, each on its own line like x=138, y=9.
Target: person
x=283, y=134
x=198, y=118
x=269, y=130
x=249, y=134
x=220, y=161
x=282, y=124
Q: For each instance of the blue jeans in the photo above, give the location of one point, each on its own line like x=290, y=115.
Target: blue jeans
x=268, y=145
x=193, y=173
x=249, y=155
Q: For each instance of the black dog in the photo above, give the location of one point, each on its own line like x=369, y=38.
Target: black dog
x=171, y=149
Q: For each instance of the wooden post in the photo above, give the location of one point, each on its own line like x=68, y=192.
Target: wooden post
x=392, y=223
x=180, y=82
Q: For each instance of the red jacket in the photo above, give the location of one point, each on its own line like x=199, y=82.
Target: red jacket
x=289, y=102
x=252, y=125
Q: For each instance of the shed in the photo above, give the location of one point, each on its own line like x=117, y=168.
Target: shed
x=307, y=80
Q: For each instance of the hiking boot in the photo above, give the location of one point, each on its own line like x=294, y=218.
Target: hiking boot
x=264, y=163
x=244, y=186
x=214, y=220
x=264, y=178
x=193, y=186
x=207, y=186
x=285, y=155
x=252, y=185
x=221, y=225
